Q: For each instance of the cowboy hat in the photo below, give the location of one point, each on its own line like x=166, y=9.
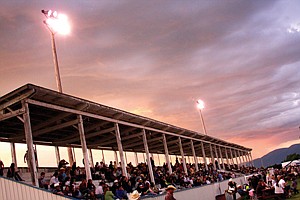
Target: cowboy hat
x=171, y=187
x=135, y=195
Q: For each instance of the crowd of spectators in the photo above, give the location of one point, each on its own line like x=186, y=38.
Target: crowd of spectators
x=71, y=180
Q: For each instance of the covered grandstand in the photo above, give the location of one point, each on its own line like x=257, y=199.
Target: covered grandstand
x=35, y=115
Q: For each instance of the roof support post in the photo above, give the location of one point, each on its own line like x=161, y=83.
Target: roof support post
x=231, y=154
x=57, y=155
x=158, y=160
x=91, y=157
x=136, y=158
x=236, y=158
x=212, y=156
x=29, y=141
x=126, y=157
x=217, y=156
x=220, y=151
x=182, y=155
x=70, y=155
x=120, y=148
x=103, y=159
x=243, y=158
x=251, y=159
x=227, y=160
x=204, y=157
x=116, y=157
x=150, y=167
x=240, y=159
x=13, y=154
x=194, y=155
x=248, y=158
x=84, y=148
x=167, y=153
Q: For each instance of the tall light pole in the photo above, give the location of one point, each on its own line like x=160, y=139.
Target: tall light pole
x=200, y=106
x=56, y=23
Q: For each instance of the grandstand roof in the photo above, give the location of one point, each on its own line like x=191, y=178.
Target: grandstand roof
x=53, y=117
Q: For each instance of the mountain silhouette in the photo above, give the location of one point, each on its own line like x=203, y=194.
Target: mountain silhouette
x=276, y=156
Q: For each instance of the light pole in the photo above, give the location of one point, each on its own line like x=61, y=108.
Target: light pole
x=200, y=106
x=56, y=23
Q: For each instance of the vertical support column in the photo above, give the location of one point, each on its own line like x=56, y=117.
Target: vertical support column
x=217, y=156
x=136, y=158
x=251, y=160
x=194, y=155
x=29, y=142
x=148, y=157
x=212, y=157
x=243, y=157
x=182, y=155
x=240, y=159
x=158, y=160
x=36, y=157
x=116, y=157
x=74, y=154
x=144, y=157
x=126, y=157
x=57, y=155
x=248, y=158
x=91, y=158
x=236, y=158
x=84, y=148
x=231, y=154
x=228, y=163
x=221, y=156
x=204, y=156
x=167, y=154
x=13, y=154
x=120, y=148
x=103, y=159
x=70, y=155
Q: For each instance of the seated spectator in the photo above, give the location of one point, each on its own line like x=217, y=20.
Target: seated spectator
x=57, y=189
x=260, y=187
x=99, y=191
x=121, y=193
x=108, y=195
x=83, y=187
x=294, y=186
x=53, y=180
x=42, y=182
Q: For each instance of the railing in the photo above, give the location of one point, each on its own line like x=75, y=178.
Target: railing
x=207, y=192
x=13, y=190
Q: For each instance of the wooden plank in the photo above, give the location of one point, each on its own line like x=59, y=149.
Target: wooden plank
x=11, y=114
x=17, y=99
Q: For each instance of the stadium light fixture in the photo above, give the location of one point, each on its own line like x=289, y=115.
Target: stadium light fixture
x=200, y=106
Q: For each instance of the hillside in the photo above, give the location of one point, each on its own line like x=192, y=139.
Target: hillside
x=276, y=156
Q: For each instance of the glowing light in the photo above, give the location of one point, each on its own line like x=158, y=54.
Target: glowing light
x=57, y=23
x=200, y=104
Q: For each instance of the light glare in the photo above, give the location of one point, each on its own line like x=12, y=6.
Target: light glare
x=58, y=23
x=200, y=104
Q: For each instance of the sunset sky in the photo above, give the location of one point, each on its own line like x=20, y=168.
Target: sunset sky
x=156, y=58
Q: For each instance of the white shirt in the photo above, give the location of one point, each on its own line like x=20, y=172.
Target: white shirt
x=99, y=190
x=280, y=188
x=53, y=180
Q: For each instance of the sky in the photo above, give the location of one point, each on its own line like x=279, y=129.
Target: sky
x=156, y=58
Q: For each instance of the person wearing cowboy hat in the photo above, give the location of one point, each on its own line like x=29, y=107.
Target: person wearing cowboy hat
x=135, y=195
x=170, y=190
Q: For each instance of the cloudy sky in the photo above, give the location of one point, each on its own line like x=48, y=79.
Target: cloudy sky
x=156, y=58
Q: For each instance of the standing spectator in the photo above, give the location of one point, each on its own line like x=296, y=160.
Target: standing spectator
x=108, y=195
x=170, y=191
x=279, y=187
x=1, y=168
x=294, y=186
x=99, y=190
x=12, y=173
x=232, y=188
x=121, y=193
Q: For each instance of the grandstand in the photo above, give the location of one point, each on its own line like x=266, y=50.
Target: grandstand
x=35, y=115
